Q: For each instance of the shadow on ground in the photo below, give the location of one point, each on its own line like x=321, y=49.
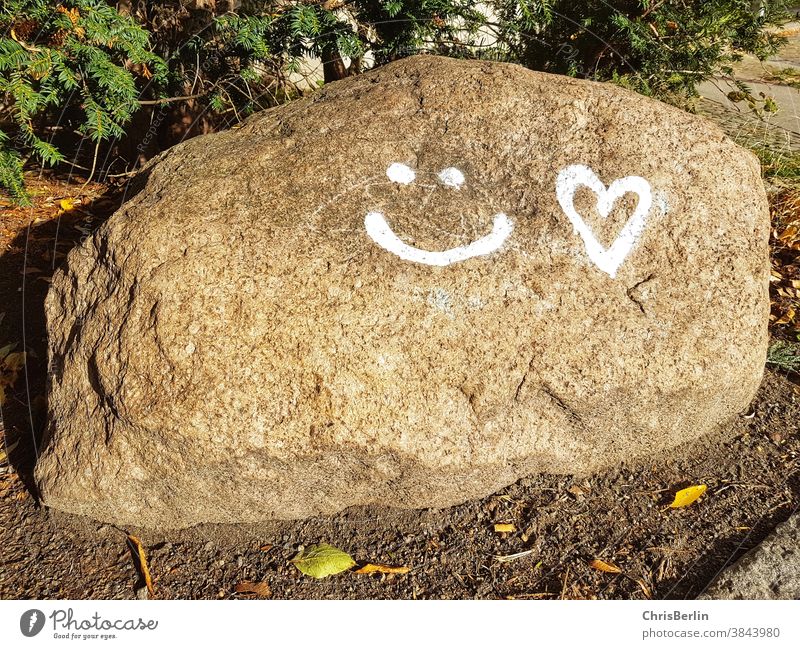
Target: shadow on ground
x=39, y=248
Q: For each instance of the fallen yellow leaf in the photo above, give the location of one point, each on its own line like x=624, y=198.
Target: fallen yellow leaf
x=687, y=496
x=504, y=527
x=138, y=549
x=67, y=204
x=603, y=566
x=379, y=567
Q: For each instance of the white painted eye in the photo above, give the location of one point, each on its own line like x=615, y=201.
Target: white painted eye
x=451, y=177
x=400, y=173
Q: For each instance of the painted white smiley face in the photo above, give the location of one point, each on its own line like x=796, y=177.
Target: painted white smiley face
x=607, y=260
x=381, y=232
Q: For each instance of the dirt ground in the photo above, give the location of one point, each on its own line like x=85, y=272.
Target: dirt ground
x=562, y=523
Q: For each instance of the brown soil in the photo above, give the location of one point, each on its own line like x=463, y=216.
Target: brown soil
x=562, y=523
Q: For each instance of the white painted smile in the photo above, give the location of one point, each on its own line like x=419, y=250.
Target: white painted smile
x=382, y=234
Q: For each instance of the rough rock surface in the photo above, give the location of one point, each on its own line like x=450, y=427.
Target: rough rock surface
x=769, y=571
x=244, y=340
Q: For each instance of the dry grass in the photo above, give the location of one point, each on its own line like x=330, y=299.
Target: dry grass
x=785, y=257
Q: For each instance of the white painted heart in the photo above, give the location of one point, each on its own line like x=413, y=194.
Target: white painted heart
x=606, y=259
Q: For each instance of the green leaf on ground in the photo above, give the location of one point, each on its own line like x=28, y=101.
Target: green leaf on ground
x=322, y=560
x=785, y=355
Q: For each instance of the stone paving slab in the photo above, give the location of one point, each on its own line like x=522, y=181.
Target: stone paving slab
x=780, y=130
x=769, y=571
x=785, y=123
x=748, y=129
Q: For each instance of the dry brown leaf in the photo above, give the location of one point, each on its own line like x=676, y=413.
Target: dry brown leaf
x=603, y=566
x=73, y=14
x=383, y=569
x=10, y=366
x=13, y=362
x=30, y=48
x=644, y=588
x=576, y=491
x=789, y=234
x=504, y=528
x=138, y=549
x=260, y=588
x=8, y=450
x=686, y=497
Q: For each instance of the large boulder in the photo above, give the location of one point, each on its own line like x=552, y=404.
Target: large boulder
x=411, y=288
